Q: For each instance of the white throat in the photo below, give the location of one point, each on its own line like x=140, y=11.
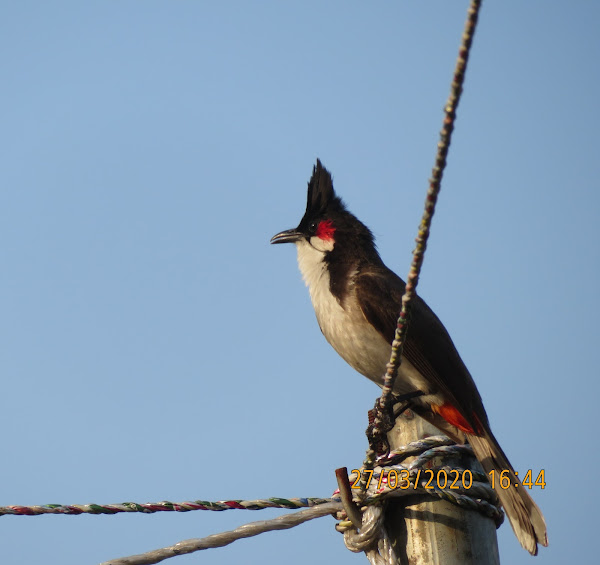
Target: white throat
x=311, y=261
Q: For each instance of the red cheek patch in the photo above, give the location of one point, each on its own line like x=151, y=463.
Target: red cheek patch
x=325, y=230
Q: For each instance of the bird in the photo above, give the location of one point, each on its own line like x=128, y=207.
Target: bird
x=357, y=300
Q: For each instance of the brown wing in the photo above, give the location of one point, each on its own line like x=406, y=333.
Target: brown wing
x=430, y=349
x=428, y=345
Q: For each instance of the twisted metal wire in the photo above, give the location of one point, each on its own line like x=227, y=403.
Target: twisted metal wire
x=164, y=506
x=425, y=225
x=225, y=538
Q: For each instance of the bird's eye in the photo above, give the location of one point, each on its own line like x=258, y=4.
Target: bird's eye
x=312, y=228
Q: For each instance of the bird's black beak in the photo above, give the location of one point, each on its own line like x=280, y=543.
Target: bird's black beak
x=287, y=236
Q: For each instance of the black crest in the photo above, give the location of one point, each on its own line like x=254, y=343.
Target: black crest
x=321, y=196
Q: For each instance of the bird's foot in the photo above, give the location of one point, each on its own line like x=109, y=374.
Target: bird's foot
x=404, y=402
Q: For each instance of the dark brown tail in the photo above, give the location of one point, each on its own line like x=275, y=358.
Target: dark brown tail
x=525, y=517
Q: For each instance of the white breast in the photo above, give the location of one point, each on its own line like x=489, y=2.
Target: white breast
x=345, y=326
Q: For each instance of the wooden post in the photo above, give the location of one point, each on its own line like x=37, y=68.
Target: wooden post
x=425, y=531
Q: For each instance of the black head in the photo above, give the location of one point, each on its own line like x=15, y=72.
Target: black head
x=326, y=216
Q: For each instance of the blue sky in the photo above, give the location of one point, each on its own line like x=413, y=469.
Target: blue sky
x=155, y=346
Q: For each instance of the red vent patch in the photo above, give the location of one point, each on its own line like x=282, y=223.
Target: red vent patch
x=454, y=417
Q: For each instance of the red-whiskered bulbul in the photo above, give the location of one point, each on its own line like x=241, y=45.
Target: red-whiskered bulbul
x=357, y=300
